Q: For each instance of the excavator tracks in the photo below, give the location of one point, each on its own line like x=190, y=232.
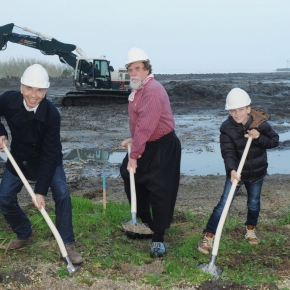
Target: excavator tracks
x=77, y=98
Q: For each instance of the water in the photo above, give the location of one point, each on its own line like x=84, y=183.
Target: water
x=212, y=163
x=212, y=71
x=201, y=160
x=204, y=162
x=86, y=154
x=3, y=156
x=284, y=136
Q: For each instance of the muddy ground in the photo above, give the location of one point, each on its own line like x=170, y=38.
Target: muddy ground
x=98, y=131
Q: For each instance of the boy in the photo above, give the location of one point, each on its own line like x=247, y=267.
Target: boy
x=242, y=120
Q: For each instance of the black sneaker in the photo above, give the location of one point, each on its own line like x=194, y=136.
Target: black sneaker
x=157, y=250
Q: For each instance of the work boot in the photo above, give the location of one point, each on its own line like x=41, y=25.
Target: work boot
x=75, y=257
x=157, y=250
x=251, y=235
x=205, y=244
x=17, y=244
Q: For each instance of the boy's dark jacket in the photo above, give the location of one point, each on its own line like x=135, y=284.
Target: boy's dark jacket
x=35, y=144
x=233, y=143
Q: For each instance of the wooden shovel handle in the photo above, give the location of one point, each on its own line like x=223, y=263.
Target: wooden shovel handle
x=132, y=185
x=229, y=200
x=42, y=210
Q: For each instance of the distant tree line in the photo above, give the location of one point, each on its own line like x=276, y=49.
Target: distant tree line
x=14, y=67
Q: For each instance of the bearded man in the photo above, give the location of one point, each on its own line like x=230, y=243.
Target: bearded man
x=156, y=150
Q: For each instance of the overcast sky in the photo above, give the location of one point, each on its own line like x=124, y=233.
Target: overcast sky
x=179, y=36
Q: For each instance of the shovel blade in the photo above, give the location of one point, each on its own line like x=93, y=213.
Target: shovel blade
x=71, y=268
x=129, y=223
x=211, y=269
x=136, y=228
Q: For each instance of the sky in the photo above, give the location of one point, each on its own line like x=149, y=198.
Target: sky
x=179, y=36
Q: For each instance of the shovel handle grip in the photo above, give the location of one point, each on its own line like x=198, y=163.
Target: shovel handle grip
x=42, y=210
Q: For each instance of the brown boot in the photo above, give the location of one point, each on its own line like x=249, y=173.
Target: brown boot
x=251, y=235
x=205, y=244
x=75, y=257
x=17, y=244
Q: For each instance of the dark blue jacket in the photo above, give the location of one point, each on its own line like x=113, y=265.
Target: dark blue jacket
x=233, y=143
x=35, y=143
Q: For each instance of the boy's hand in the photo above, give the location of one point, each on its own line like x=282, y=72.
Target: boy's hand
x=254, y=133
x=235, y=176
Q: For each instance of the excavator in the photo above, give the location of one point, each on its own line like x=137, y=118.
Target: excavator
x=93, y=77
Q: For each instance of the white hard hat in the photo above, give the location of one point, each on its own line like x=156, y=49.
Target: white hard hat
x=237, y=98
x=35, y=76
x=136, y=54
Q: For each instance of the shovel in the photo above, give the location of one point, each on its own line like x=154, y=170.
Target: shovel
x=132, y=227
x=70, y=267
x=211, y=268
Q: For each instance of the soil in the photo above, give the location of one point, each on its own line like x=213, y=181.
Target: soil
x=104, y=126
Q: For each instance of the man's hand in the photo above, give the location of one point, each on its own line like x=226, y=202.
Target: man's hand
x=126, y=142
x=253, y=133
x=132, y=164
x=235, y=176
x=40, y=201
x=3, y=141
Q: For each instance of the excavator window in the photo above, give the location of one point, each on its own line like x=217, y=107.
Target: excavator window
x=99, y=76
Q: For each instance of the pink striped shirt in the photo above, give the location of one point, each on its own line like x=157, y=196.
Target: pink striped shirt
x=150, y=116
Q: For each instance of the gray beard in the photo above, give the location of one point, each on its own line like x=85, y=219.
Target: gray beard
x=134, y=85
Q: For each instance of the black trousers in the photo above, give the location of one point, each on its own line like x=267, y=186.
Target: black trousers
x=156, y=180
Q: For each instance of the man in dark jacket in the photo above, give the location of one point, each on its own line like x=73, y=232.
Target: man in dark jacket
x=34, y=124
x=242, y=120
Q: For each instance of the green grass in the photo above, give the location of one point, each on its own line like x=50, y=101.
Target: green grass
x=104, y=246
x=284, y=218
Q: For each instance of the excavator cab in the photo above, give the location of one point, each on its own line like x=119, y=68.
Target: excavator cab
x=93, y=74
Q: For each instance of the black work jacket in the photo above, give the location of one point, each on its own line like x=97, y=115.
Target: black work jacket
x=233, y=143
x=35, y=143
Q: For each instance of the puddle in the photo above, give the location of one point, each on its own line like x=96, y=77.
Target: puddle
x=203, y=160
x=86, y=154
x=3, y=156
x=204, y=163
x=210, y=162
x=284, y=136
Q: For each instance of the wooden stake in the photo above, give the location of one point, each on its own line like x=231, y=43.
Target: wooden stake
x=104, y=192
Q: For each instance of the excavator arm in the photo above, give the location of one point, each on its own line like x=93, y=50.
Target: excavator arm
x=46, y=44
x=100, y=84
